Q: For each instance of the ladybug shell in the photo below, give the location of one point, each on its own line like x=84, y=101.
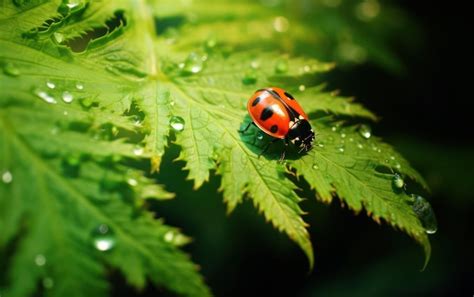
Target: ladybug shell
x=273, y=110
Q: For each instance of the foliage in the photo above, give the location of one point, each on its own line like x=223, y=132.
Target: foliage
x=91, y=95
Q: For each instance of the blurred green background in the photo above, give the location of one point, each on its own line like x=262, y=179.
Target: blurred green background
x=409, y=62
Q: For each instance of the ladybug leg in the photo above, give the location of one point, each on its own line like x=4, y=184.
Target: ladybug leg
x=268, y=146
x=282, y=157
x=246, y=128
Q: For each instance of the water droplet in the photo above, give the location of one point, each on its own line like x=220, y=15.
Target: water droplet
x=79, y=86
x=132, y=182
x=11, y=70
x=343, y=135
x=67, y=97
x=320, y=144
x=210, y=43
x=72, y=3
x=302, y=88
x=398, y=181
x=365, y=131
x=58, y=37
x=40, y=260
x=340, y=149
x=359, y=145
x=255, y=64
x=177, y=123
x=425, y=214
x=392, y=158
x=281, y=66
x=315, y=166
x=7, y=177
x=138, y=150
x=306, y=68
x=175, y=238
x=103, y=238
x=281, y=24
x=260, y=136
x=249, y=78
x=169, y=236
x=50, y=84
x=351, y=139
x=194, y=64
x=398, y=166
x=48, y=283
x=45, y=96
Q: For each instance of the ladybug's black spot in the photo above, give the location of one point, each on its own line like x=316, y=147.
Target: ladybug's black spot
x=274, y=129
x=266, y=113
x=256, y=101
x=289, y=96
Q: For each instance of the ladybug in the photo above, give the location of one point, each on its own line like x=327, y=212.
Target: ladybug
x=278, y=114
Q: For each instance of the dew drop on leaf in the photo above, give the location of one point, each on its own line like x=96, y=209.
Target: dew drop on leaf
x=45, y=96
x=48, y=283
x=132, y=182
x=302, y=88
x=138, y=150
x=40, y=260
x=169, y=236
x=79, y=86
x=398, y=181
x=425, y=214
x=281, y=66
x=193, y=64
x=359, y=145
x=365, y=131
x=175, y=238
x=103, y=238
x=177, y=123
x=255, y=64
x=259, y=136
x=58, y=37
x=341, y=148
x=7, y=177
x=67, y=97
x=343, y=135
x=50, y=84
x=210, y=43
x=71, y=4
x=11, y=70
x=315, y=166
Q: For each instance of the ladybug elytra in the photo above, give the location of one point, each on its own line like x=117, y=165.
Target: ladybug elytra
x=278, y=114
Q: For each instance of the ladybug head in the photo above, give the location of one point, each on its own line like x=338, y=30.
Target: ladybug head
x=301, y=135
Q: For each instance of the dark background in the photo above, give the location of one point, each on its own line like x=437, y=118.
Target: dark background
x=426, y=114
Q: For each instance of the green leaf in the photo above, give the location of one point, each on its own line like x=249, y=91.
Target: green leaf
x=91, y=94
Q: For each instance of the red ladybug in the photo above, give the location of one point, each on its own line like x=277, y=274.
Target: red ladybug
x=277, y=113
